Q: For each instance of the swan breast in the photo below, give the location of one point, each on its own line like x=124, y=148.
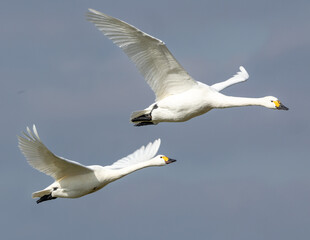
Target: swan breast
x=184, y=106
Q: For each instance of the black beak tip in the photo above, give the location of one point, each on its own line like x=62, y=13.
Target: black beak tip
x=171, y=160
x=282, y=107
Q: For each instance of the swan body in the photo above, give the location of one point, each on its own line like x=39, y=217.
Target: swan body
x=74, y=180
x=178, y=96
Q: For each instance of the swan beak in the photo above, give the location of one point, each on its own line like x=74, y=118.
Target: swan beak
x=168, y=160
x=279, y=105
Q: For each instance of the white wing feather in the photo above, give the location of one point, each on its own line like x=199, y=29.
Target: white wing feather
x=140, y=155
x=238, y=77
x=153, y=59
x=42, y=159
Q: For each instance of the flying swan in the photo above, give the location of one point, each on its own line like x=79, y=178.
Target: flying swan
x=74, y=180
x=178, y=96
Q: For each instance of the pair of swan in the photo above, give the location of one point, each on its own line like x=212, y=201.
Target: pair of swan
x=178, y=98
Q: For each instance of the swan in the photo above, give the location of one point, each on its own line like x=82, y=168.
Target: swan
x=74, y=180
x=178, y=96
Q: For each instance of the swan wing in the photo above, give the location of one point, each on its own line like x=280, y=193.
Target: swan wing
x=237, y=78
x=153, y=59
x=144, y=153
x=42, y=159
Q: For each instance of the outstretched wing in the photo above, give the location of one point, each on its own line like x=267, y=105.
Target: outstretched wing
x=153, y=59
x=239, y=77
x=42, y=159
x=140, y=155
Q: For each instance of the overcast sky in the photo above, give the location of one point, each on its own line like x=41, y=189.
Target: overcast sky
x=241, y=174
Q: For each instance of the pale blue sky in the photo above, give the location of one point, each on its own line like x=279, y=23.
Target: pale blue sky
x=241, y=173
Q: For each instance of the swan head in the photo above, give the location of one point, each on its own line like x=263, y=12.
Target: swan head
x=274, y=103
x=163, y=160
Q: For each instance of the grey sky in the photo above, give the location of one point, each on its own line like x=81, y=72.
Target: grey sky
x=242, y=173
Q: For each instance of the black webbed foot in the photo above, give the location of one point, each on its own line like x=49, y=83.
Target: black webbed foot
x=144, y=117
x=143, y=124
x=46, y=198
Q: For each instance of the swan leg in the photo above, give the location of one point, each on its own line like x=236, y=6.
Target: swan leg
x=143, y=124
x=145, y=118
x=46, y=198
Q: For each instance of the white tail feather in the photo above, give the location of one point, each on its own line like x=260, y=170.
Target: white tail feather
x=41, y=193
x=138, y=114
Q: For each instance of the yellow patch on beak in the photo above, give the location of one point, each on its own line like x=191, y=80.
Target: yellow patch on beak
x=277, y=103
x=165, y=158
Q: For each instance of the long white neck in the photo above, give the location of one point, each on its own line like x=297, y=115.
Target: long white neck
x=227, y=101
x=119, y=173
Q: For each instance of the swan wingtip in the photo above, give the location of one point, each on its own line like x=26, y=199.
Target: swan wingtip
x=243, y=71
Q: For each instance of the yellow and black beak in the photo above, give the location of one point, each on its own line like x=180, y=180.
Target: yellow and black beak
x=279, y=105
x=168, y=160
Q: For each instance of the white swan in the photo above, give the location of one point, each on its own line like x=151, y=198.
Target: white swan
x=72, y=179
x=178, y=96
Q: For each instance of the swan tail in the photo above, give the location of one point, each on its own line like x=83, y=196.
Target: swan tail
x=41, y=193
x=143, y=117
x=140, y=116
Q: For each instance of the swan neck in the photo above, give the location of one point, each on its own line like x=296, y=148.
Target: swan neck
x=119, y=173
x=228, y=101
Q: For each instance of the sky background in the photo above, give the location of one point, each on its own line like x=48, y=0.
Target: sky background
x=242, y=173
